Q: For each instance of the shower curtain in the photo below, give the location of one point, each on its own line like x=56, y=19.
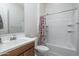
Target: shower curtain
x=42, y=30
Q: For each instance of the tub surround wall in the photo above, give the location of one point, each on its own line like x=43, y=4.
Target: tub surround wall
x=63, y=39
x=70, y=48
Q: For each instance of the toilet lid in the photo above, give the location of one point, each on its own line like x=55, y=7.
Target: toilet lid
x=43, y=48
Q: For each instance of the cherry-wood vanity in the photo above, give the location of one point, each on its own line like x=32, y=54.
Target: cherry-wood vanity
x=23, y=50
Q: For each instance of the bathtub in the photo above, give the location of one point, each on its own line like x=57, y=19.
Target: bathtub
x=56, y=50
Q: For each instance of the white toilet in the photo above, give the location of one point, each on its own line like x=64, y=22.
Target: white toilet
x=41, y=50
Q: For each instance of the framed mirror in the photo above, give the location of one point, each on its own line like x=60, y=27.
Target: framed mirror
x=11, y=18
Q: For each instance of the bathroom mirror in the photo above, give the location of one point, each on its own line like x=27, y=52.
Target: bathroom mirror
x=11, y=18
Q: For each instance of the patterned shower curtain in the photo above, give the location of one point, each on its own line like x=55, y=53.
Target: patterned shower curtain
x=42, y=30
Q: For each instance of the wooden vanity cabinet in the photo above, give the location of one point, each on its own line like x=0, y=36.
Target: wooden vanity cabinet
x=24, y=50
x=30, y=52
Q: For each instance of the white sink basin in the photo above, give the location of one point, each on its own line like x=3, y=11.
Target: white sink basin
x=14, y=44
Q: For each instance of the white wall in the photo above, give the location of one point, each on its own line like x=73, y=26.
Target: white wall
x=42, y=9
x=58, y=7
x=31, y=13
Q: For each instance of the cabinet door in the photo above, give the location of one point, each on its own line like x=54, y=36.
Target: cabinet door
x=20, y=50
x=30, y=52
x=21, y=55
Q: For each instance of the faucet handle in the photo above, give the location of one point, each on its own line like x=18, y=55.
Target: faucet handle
x=0, y=40
x=13, y=37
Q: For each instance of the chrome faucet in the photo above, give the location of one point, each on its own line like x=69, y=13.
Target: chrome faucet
x=13, y=37
x=0, y=40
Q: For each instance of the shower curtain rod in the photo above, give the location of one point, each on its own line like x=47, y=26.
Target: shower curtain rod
x=60, y=12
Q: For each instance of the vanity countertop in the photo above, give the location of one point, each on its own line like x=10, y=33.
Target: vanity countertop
x=11, y=45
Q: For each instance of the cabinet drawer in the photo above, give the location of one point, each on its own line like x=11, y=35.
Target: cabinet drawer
x=19, y=50
x=30, y=52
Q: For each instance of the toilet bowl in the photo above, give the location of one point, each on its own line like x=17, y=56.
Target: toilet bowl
x=41, y=50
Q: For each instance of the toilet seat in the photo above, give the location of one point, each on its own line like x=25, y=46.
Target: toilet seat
x=42, y=48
